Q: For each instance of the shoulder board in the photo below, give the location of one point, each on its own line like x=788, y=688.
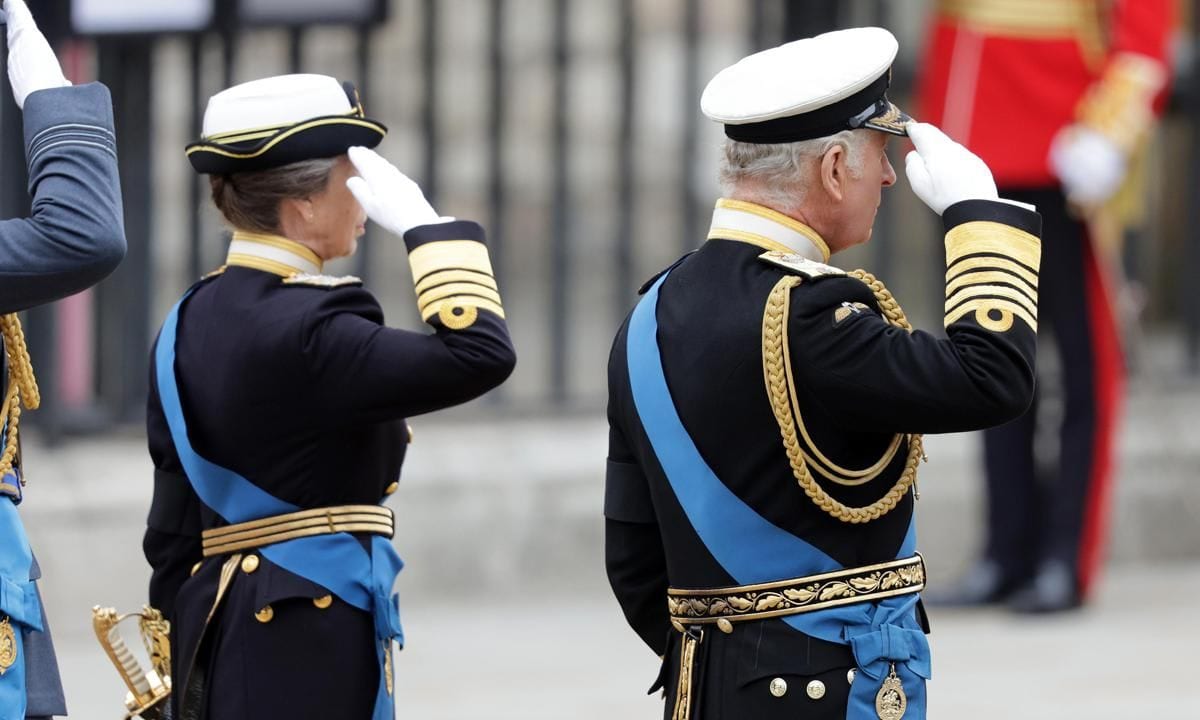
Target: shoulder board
x=322, y=281
x=650, y=283
x=801, y=265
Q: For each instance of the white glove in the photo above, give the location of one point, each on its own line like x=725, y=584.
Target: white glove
x=1090, y=166
x=942, y=172
x=32, y=65
x=387, y=195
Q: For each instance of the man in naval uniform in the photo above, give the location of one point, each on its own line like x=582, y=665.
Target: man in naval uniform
x=73, y=238
x=766, y=408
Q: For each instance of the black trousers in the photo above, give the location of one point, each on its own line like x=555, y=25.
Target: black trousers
x=1060, y=516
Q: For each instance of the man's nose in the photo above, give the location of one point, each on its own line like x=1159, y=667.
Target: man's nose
x=889, y=173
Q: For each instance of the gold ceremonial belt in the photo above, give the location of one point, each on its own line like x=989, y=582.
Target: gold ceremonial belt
x=797, y=595
x=1022, y=18
x=371, y=519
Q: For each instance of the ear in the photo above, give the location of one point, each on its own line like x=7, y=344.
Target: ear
x=297, y=208
x=834, y=172
x=294, y=216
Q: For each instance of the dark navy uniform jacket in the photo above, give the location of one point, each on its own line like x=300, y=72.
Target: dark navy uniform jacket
x=859, y=381
x=73, y=238
x=297, y=385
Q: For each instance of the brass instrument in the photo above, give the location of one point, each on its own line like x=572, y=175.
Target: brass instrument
x=148, y=689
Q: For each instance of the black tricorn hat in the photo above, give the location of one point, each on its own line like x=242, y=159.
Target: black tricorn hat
x=280, y=120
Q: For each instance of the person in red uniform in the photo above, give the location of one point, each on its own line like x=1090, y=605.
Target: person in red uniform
x=1055, y=96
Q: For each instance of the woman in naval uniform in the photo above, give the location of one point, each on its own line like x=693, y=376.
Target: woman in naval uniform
x=277, y=409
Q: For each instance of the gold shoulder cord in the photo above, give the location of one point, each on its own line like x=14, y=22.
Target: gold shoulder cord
x=778, y=376
x=22, y=388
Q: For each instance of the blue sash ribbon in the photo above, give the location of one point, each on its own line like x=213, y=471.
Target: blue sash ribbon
x=753, y=550
x=19, y=601
x=336, y=562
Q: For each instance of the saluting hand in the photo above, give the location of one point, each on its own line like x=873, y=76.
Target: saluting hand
x=942, y=172
x=32, y=65
x=388, y=196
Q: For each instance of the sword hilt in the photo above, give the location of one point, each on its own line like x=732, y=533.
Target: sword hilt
x=148, y=689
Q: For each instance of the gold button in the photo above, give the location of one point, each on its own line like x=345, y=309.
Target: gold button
x=815, y=689
x=410, y=435
x=249, y=563
x=265, y=615
x=323, y=602
x=850, y=675
x=725, y=626
x=196, y=567
x=392, y=488
x=778, y=687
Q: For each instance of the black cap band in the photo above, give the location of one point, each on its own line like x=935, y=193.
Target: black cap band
x=845, y=114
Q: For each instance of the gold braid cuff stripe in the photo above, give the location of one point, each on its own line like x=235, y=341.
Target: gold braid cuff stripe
x=371, y=519
x=776, y=368
x=454, y=280
x=999, y=293
x=797, y=595
x=986, y=236
x=981, y=254
x=962, y=270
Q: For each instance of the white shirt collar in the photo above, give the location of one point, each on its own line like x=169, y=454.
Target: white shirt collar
x=769, y=229
x=273, y=254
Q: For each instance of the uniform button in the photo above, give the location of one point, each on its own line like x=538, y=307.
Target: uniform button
x=196, y=567
x=323, y=602
x=778, y=687
x=850, y=675
x=816, y=689
x=265, y=615
x=725, y=626
x=410, y=434
x=392, y=488
x=249, y=563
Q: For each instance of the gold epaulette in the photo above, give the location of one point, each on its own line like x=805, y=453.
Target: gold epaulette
x=322, y=281
x=800, y=265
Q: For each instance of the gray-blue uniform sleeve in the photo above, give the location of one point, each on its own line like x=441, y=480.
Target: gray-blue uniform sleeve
x=73, y=238
x=75, y=235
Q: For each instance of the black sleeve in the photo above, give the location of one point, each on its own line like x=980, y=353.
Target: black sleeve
x=75, y=233
x=633, y=549
x=172, y=543
x=872, y=376
x=364, y=370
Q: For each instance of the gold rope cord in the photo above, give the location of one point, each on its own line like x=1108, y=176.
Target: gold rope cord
x=776, y=369
x=22, y=388
x=687, y=665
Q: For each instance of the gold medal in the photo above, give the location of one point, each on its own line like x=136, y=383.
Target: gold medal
x=8, y=646
x=890, y=701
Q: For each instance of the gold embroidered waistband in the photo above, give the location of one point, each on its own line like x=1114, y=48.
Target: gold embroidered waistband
x=797, y=595
x=371, y=519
